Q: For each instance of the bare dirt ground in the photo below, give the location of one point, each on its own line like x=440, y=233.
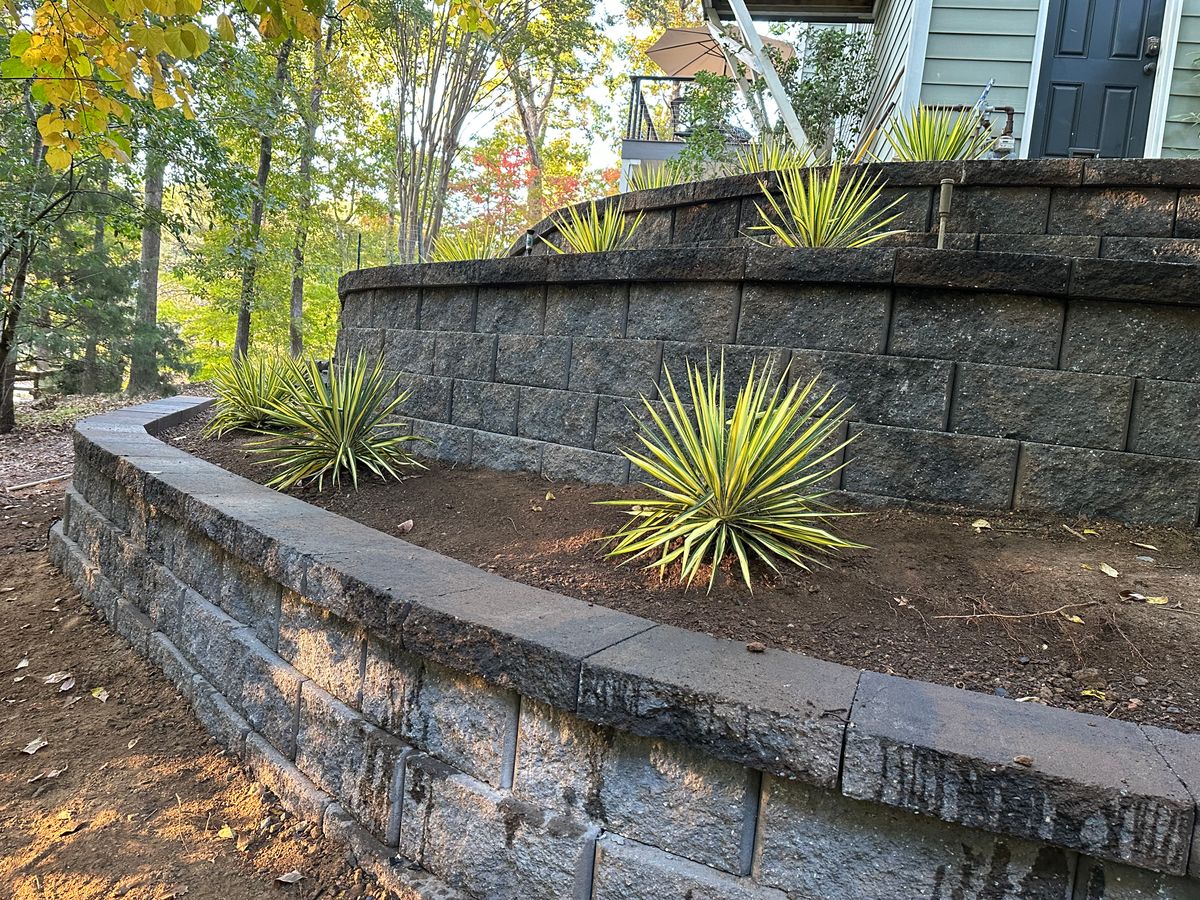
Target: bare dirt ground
x=128, y=797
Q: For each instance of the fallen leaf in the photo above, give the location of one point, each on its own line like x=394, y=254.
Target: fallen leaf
x=56, y=678
x=68, y=685
x=71, y=701
x=1090, y=531
x=533, y=507
x=226, y=833
x=49, y=773
x=34, y=746
x=19, y=679
x=1073, y=618
x=550, y=495
x=132, y=744
x=1158, y=601
x=1144, y=546
x=1132, y=596
x=1025, y=761
x=405, y=527
x=22, y=664
x=756, y=647
x=292, y=877
x=1091, y=692
x=980, y=524
x=100, y=694
x=1109, y=570
x=1085, y=566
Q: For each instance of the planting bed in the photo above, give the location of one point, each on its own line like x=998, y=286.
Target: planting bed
x=934, y=599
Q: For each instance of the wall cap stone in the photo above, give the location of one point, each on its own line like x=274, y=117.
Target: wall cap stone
x=1112, y=789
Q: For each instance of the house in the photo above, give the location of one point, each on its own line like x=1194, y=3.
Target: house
x=1110, y=78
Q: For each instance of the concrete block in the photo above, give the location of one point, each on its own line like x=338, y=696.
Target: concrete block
x=458, y=355
x=738, y=360
x=588, y=466
x=972, y=326
x=1133, y=339
x=816, y=844
x=999, y=210
x=1146, y=212
x=487, y=407
x=713, y=221
x=390, y=679
x=586, y=310
x=407, y=350
x=220, y=720
x=447, y=309
x=133, y=625
x=327, y=649
x=428, y=397
x=269, y=695
x=448, y=443
x=506, y=453
x=813, y=316
x=626, y=368
x=296, y=793
x=926, y=465
x=165, y=655
x=510, y=308
x=198, y=562
x=1110, y=881
x=253, y=599
x=628, y=870
x=705, y=311
x=533, y=360
x=558, y=417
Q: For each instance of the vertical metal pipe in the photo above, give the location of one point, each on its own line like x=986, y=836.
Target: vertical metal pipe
x=945, y=198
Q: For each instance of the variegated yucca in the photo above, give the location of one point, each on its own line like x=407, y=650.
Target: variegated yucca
x=648, y=178
x=247, y=389
x=596, y=230
x=821, y=209
x=740, y=482
x=328, y=426
x=770, y=153
x=477, y=241
x=926, y=134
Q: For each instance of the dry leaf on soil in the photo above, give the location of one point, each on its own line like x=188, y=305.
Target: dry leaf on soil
x=34, y=746
x=979, y=525
x=1144, y=546
x=291, y=877
x=100, y=694
x=56, y=678
x=226, y=833
x=22, y=664
x=68, y=685
x=1109, y=570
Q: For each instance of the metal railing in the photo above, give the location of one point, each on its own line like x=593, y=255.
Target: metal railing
x=655, y=108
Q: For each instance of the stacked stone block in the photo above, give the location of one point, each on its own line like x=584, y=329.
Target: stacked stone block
x=464, y=736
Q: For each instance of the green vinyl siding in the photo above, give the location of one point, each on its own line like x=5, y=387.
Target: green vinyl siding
x=974, y=41
x=893, y=36
x=1182, y=138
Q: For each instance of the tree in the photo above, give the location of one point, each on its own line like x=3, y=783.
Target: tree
x=143, y=370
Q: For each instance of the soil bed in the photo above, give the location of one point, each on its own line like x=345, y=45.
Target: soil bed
x=1022, y=609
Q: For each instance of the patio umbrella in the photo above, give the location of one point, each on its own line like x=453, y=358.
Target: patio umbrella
x=686, y=51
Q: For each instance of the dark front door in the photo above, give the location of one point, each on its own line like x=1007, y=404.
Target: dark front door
x=1097, y=75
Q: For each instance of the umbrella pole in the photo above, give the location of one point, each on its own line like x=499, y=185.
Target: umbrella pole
x=774, y=85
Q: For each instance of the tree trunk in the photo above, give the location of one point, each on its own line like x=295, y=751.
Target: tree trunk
x=307, y=150
x=143, y=368
x=89, y=317
x=241, y=341
x=8, y=337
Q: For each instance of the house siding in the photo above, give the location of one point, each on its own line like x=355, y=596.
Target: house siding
x=893, y=37
x=972, y=41
x=1181, y=137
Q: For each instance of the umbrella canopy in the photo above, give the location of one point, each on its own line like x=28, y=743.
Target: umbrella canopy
x=686, y=51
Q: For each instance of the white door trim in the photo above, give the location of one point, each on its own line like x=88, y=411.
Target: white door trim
x=914, y=65
x=1157, y=126
x=1035, y=73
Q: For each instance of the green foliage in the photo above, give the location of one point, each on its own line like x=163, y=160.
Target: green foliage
x=332, y=426
x=770, y=153
x=477, y=241
x=596, y=230
x=820, y=209
x=926, y=134
x=706, y=109
x=829, y=86
x=248, y=389
x=647, y=178
x=740, y=482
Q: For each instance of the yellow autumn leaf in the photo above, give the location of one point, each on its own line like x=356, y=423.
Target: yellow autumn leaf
x=58, y=159
x=1109, y=570
x=225, y=29
x=1158, y=601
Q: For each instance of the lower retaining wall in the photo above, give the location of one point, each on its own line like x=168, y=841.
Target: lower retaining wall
x=466, y=736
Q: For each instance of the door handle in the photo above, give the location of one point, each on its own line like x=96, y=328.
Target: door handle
x=1153, y=42
x=1149, y=68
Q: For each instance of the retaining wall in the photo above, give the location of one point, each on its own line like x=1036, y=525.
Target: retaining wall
x=466, y=736
x=994, y=380
x=1117, y=208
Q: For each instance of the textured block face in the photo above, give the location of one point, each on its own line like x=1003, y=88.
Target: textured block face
x=487, y=407
x=390, y=680
x=1133, y=339
x=627, y=870
x=738, y=361
x=624, y=368
x=445, y=442
x=716, y=221
x=1109, y=881
x=394, y=308
x=268, y=694
x=463, y=721
x=1013, y=210
x=461, y=355
x=219, y=719
x=588, y=466
x=428, y=397
x=325, y=648
x=510, y=309
x=656, y=792
x=1187, y=222
x=559, y=417
x=351, y=760
x=533, y=360
x=447, y=309
x=295, y=791
x=505, y=453
x=704, y=310
x=406, y=350
x=941, y=468
x=587, y=310
x=1113, y=485
x=820, y=317
x=976, y=327
x=816, y=844
x=487, y=843
x=252, y=599
x=1148, y=212
x=1040, y=405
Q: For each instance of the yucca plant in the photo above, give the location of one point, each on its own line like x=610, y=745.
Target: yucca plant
x=770, y=153
x=926, y=134
x=333, y=425
x=247, y=389
x=596, y=230
x=738, y=482
x=823, y=210
x=646, y=178
x=477, y=241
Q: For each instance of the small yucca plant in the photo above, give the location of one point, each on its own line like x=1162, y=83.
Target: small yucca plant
x=596, y=230
x=822, y=210
x=646, y=178
x=738, y=482
x=477, y=241
x=247, y=390
x=331, y=426
x=770, y=153
x=926, y=134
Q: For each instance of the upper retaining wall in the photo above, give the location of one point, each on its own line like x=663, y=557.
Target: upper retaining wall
x=984, y=379
x=516, y=743
x=1118, y=208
